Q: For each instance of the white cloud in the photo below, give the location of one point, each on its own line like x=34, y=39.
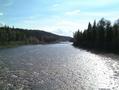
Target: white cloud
x=73, y=13
x=61, y=27
x=64, y=27
x=55, y=5
x=90, y=16
x=86, y=4
x=100, y=13
x=1, y=14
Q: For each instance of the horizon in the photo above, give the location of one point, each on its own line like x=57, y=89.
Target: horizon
x=62, y=17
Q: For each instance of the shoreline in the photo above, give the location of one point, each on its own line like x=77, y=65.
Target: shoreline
x=97, y=50
x=17, y=44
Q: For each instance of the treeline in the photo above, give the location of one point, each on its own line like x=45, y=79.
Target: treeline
x=13, y=35
x=101, y=35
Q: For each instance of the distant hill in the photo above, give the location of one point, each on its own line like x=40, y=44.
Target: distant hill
x=41, y=33
x=13, y=35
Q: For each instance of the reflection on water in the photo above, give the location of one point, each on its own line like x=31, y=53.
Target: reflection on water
x=57, y=67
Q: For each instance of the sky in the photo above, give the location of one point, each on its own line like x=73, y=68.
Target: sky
x=62, y=17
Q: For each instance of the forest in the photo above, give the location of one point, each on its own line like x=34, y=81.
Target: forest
x=17, y=36
x=102, y=35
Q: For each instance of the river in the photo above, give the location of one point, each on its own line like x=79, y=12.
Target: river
x=57, y=67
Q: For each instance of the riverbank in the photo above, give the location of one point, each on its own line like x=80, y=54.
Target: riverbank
x=10, y=37
x=21, y=43
x=13, y=44
x=100, y=36
x=96, y=50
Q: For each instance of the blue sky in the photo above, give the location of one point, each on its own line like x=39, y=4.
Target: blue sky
x=58, y=16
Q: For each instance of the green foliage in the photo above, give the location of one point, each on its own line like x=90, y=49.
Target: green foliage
x=102, y=35
x=16, y=36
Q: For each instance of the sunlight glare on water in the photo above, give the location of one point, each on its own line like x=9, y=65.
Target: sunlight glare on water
x=57, y=67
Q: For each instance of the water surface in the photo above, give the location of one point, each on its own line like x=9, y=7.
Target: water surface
x=57, y=67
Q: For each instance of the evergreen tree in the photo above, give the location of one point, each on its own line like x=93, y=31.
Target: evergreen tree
x=102, y=36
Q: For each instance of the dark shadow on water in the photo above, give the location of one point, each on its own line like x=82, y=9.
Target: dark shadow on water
x=101, y=52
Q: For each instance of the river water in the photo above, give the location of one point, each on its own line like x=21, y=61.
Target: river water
x=57, y=67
